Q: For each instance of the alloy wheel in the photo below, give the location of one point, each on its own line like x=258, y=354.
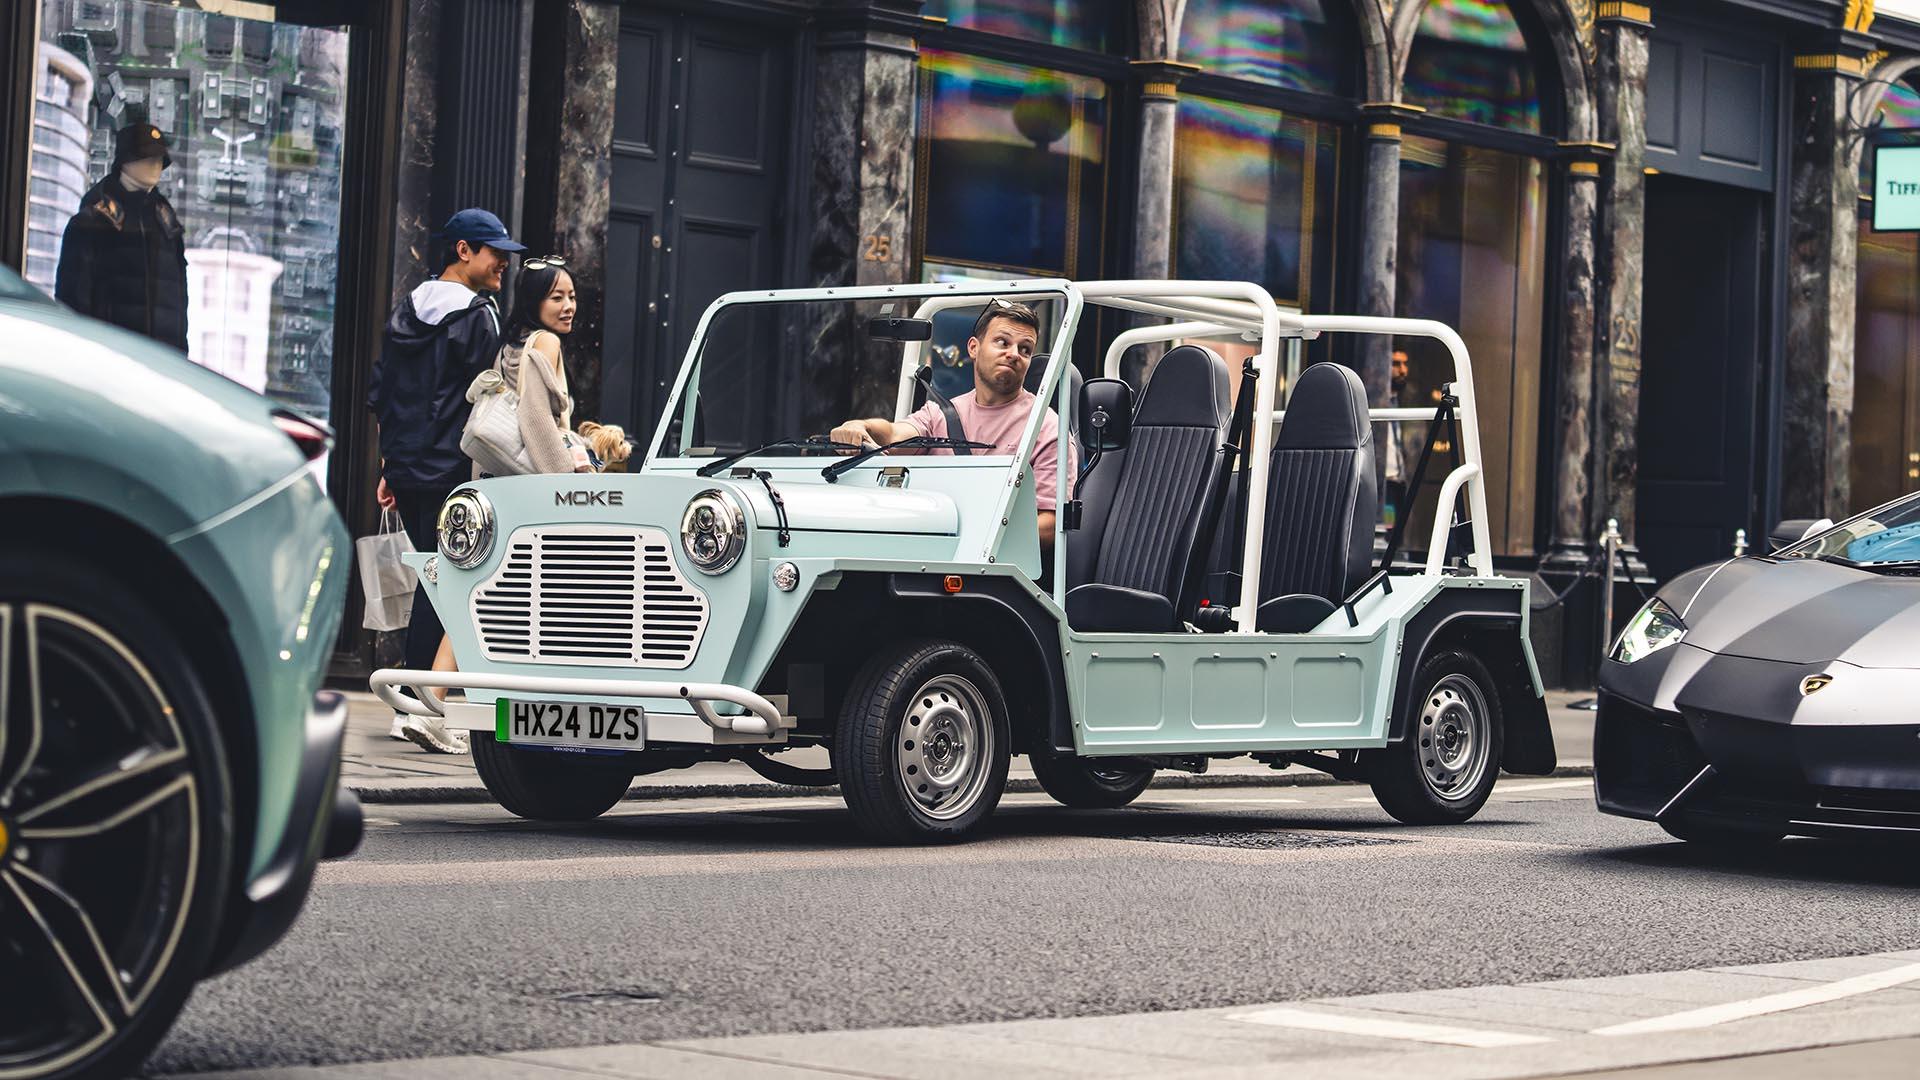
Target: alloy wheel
x=99, y=837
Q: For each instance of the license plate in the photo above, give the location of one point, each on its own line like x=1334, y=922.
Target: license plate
x=570, y=723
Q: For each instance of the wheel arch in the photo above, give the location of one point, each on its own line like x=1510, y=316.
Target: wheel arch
x=1487, y=624
x=106, y=539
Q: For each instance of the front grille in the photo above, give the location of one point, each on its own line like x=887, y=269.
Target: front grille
x=588, y=595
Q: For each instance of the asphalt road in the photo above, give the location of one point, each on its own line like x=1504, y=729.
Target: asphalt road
x=458, y=929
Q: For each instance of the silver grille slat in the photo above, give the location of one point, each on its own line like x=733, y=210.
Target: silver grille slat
x=591, y=596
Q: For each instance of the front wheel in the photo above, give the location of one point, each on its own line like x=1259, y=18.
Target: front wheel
x=1088, y=784
x=1443, y=770
x=922, y=743
x=546, y=785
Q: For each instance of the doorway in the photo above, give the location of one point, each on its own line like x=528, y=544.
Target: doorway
x=1700, y=369
x=701, y=138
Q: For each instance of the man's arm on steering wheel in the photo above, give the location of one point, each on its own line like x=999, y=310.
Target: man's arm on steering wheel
x=875, y=430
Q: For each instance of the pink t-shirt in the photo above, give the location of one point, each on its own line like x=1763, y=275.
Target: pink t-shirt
x=1001, y=425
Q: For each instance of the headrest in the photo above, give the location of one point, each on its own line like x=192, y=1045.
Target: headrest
x=1037, y=370
x=1326, y=411
x=1188, y=388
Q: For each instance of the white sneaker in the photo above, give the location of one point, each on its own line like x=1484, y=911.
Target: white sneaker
x=398, y=730
x=430, y=733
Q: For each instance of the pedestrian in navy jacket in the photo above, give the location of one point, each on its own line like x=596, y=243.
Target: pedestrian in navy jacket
x=442, y=334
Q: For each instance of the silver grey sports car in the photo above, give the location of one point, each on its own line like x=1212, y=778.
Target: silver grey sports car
x=1774, y=694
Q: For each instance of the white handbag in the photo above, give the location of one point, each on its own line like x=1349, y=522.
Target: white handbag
x=492, y=436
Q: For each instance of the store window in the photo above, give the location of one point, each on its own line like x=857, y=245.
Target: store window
x=1253, y=198
x=1012, y=167
x=1469, y=61
x=1291, y=44
x=254, y=115
x=1886, y=356
x=1089, y=25
x=1472, y=254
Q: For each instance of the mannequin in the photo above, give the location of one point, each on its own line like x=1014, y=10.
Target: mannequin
x=123, y=258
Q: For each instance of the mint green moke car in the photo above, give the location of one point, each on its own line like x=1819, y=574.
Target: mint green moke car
x=1212, y=588
x=171, y=577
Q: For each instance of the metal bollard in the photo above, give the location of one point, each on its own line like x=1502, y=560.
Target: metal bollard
x=1610, y=542
x=1739, y=543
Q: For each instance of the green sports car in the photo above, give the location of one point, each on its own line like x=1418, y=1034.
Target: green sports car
x=171, y=581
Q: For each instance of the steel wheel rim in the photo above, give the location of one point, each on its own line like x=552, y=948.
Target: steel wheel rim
x=1114, y=778
x=944, y=749
x=1454, y=738
x=100, y=814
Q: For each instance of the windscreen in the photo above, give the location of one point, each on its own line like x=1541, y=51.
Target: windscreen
x=1886, y=535
x=775, y=374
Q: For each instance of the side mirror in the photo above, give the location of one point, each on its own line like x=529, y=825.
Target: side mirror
x=890, y=328
x=1106, y=415
x=1795, y=530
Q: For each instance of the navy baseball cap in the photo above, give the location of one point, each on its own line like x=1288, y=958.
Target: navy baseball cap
x=477, y=226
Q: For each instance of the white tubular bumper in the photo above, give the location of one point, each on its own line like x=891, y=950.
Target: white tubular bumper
x=762, y=717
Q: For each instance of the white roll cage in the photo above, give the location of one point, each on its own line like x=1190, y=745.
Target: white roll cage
x=1195, y=309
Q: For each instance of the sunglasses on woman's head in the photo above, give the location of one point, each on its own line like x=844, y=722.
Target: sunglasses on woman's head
x=543, y=262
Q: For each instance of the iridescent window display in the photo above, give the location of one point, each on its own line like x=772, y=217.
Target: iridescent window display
x=1012, y=167
x=1885, y=459
x=1899, y=111
x=1470, y=62
x=1254, y=197
x=1293, y=44
x=1074, y=24
x=1472, y=253
x=254, y=115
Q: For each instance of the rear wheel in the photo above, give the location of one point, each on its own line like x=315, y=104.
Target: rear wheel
x=1087, y=783
x=1443, y=770
x=547, y=785
x=922, y=743
x=116, y=822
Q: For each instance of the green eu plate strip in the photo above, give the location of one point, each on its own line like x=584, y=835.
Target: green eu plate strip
x=499, y=719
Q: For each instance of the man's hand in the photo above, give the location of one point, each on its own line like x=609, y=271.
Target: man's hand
x=853, y=433
x=384, y=495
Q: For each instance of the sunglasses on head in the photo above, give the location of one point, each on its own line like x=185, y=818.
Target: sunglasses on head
x=543, y=262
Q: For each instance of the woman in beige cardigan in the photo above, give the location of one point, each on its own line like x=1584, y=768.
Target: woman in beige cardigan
x=531, y=363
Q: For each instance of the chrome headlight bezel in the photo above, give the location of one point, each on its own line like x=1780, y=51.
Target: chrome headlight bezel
x=465, y=528
x=713, y=531
x=1654, y=627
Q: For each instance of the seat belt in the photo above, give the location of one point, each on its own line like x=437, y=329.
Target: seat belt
x=1441, y=418
x=1238, y=447
x=955, y=430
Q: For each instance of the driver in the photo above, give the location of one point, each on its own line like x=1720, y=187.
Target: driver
x=1001, y=349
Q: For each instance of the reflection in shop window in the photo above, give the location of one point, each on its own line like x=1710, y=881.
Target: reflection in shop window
x=254, y=113
x=1295, y=44
x=1885, y=459
x=1075, y=24
x=1013, y=166
x=1472, y=254
x=1253, y=197
x=1469, y=61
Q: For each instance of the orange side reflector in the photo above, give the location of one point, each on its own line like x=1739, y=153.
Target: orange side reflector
x=952, y=583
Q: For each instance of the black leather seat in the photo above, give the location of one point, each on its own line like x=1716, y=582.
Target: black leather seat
x=1321, y=502
x=1141, y=507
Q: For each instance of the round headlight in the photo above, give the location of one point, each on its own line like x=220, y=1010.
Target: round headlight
x=466, y=528
x=713, y=531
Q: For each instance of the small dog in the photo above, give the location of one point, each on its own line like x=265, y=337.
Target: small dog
x=609, y=443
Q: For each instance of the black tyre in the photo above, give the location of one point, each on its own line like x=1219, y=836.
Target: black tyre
x=1443, y=771
x=1088, y=783
x=116, y=821
x=546, y=785
x=922, y=743
x=1721, y=836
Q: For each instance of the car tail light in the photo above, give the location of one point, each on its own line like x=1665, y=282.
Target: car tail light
x=312, y=437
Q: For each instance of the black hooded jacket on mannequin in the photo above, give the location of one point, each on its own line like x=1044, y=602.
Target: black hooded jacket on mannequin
x=124, y=260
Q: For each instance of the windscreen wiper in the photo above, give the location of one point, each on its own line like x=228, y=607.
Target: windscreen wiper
x=912, y=442
x=717, y=464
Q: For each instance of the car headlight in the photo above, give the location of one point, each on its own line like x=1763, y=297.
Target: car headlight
x=466, y=528
x=713, y=531
x=1653, y=627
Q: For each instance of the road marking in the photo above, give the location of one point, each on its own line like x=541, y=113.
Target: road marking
x=1772, y=1003
x=1380, y=1028
x=1549, y=785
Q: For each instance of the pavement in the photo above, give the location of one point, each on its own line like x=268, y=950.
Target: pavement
x=384, y=770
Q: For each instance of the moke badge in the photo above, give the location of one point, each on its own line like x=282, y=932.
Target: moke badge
x=587, y=498
x=1812, y=683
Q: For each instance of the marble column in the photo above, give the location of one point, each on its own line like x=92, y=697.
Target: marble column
x=1159, y=97
x=865, y=80
x=569, y=180
x=1822, y=237
x=1379, y=244
x=419, y=93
